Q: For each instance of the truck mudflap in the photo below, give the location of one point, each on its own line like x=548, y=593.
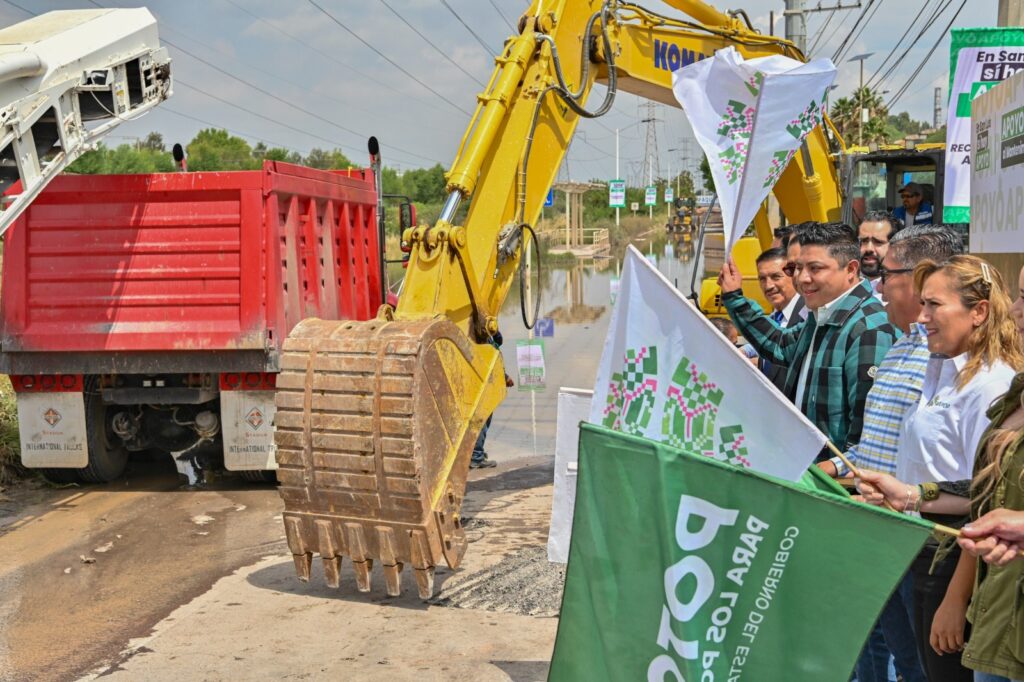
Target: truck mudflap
x=375, y=428
x=52, y=429
x=247, y=420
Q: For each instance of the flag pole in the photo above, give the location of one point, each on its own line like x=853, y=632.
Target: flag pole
x=945, y=530
x=840, y=455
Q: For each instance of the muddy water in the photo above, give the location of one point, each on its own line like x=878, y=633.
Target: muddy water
x=579, y=302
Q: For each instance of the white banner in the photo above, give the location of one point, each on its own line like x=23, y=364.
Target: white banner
x=750, y=117
x=651, y=196
x=668, y=375
x=997, y=183
x=978, y=69
x=617, y=194
x=573, y=408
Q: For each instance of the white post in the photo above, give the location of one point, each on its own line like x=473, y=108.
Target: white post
x=668, y=207
x=617, y=171
x=650, y=181
x=568, y=219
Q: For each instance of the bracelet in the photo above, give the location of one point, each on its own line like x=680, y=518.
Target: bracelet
x=906, y=505
x=920, y=498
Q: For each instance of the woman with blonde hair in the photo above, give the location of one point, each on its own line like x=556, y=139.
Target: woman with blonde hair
x=976, y=352
x=996, y=648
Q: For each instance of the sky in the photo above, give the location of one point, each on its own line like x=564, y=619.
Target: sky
x=323, y=87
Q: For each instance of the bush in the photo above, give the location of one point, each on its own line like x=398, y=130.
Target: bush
x=10, y=444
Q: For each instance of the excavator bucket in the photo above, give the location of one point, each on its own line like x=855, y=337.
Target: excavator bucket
x=375, y=429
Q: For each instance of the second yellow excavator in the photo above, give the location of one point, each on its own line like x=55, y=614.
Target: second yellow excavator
x=376, y=420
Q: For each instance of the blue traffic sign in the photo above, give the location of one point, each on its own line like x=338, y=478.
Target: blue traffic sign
x=545, y=327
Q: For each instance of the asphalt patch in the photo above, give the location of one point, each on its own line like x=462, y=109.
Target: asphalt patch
x=524, y=582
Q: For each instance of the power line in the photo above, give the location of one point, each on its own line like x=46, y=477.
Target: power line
x=267, y=93
x=860, y=18
x=939, y=10
x=471, y=31
x=837, y=29
x=428, y=42
x=281, y=99
x=924, y=61
x=304, y=88
x=335, y=143
x=259, y=115
x=821, y=32
x=874, y=10
x=502, y=15
x=896, y=45
x=384, y=56
x=371, y=79
x=258, y=138
x=26, y=11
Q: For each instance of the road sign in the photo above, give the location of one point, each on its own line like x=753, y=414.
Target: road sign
x=617, y=194
x=634, y=206
x=651, y=196
x=545, y=327
x=550, y=200
x=669, y=195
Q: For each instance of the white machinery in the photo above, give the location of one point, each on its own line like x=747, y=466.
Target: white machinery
x=66, y=79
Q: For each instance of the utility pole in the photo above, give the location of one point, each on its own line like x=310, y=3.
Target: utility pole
x=618, y=176
x=859, y=99
x=937, y=119
x=1011, y=13
x=796, y=24
x=796, y=20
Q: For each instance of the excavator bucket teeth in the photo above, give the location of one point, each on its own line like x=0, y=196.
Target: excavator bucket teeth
x=375, y=427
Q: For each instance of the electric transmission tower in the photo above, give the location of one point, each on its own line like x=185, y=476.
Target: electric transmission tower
x=651, y=156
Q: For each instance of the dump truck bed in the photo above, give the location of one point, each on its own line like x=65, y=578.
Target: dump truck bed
x=185, y=271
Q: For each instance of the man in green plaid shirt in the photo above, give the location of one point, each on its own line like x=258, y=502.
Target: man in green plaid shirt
x=830, y=358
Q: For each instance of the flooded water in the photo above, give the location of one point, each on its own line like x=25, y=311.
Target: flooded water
x=578, y=301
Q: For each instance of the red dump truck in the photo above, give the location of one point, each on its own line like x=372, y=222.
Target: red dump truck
x=143, y=312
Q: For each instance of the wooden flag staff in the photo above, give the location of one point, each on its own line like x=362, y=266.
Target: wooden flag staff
x=946, y=530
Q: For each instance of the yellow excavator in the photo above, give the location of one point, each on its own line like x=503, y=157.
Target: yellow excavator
x=376, y=420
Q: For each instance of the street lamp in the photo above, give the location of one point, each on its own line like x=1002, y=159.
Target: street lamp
x=860, y=97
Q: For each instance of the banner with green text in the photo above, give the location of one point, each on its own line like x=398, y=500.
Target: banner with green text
x=682, y=567
x=979, y=59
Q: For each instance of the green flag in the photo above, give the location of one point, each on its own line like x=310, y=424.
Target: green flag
x=685, y=568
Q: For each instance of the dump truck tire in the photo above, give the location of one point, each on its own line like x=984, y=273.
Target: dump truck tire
x=108, y=458
x=259, y=476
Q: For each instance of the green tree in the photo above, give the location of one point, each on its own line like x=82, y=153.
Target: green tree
x=705, y=174
x=846, y=117
x=391, y=181
x=213, y=150
x=425, y=185
x=902, y=125
x=153, y=142
x=938, y=136
x=93, y=162
x=327, y=160
x=123, y=159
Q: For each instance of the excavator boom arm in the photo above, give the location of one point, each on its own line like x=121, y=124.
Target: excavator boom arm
x=387, y=484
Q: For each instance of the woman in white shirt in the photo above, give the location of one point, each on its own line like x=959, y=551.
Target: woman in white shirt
x=975, y=354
